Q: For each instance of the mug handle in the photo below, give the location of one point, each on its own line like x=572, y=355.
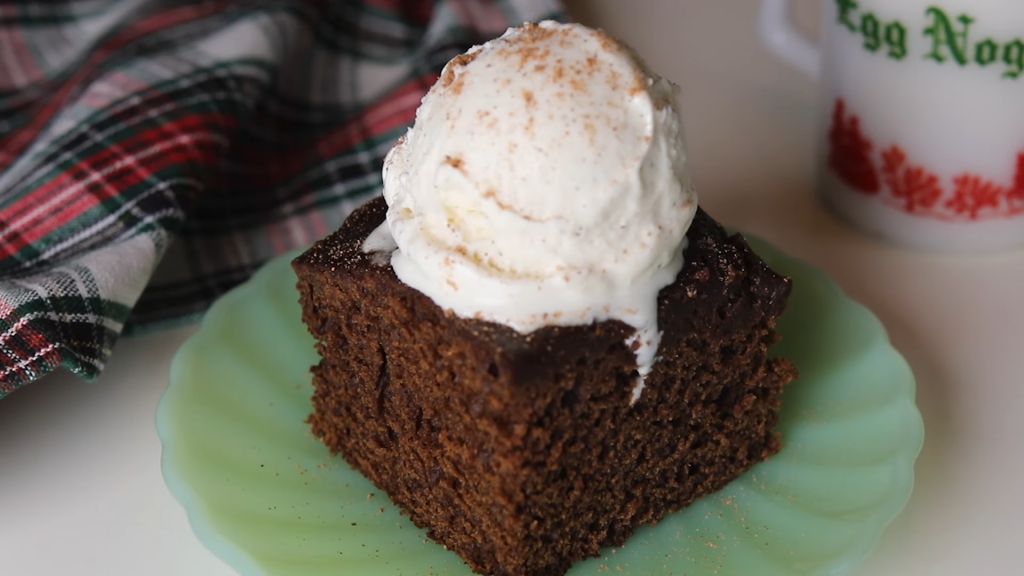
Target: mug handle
x=785, y=41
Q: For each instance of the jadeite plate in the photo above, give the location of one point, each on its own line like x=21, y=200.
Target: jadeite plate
x=267, y=498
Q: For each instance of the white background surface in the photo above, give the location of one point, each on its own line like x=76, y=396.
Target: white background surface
x=80, y=485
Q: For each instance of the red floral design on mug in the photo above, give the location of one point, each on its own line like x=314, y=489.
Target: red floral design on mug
x=917, y=188
x=913, y=188
x=973, y=194
x=1017, y=193
x=849, y=153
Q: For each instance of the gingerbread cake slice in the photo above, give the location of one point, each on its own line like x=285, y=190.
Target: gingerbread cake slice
x=526, y=452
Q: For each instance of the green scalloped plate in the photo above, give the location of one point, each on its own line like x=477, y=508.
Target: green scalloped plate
x=265, y=496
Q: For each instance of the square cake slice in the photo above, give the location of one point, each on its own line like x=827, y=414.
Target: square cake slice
x=524, y=453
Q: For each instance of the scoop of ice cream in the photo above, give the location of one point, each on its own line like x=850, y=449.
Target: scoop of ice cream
x=543, y=182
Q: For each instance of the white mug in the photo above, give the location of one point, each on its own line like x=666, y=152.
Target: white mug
x=921, y=116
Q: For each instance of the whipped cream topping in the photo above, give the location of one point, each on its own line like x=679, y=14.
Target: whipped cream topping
x=544, y=182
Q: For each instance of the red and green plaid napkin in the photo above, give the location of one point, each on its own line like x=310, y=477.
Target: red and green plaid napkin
x=153, y=154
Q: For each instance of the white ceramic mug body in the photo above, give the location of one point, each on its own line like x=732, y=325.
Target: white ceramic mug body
x=921, y=116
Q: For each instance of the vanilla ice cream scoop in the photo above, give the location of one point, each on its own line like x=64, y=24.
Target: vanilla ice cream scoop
x=543, y=182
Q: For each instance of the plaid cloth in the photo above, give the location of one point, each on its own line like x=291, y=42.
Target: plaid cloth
x=153, y=154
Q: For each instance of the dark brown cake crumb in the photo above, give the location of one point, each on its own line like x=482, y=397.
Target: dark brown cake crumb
x=522, y=453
